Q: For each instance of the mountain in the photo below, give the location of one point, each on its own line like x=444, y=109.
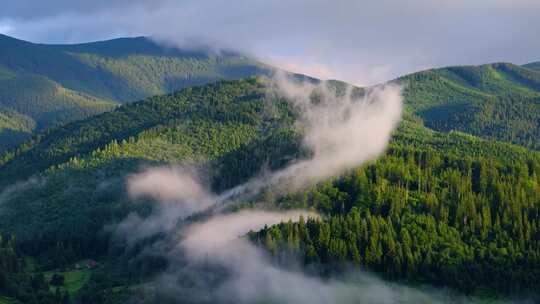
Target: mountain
x=14, y=128
x=122, y=70
x=61, y=189
x=64, y=83
x=55, y=84
x=533, y=65
x=224, y=122
x=495, y=101
x=78, y=169
x=443, y=106
x=452, y=202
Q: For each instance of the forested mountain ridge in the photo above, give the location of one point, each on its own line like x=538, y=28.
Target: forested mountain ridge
x=471, y=223
x=70, y=190
x=79, y=138
x=453, y=202
x=122, y=70
x=533, y=65
x=63, y=83
x=38, y=103
x=72, y=199
x=55, y=84
x=496, y=101
x=196, y=124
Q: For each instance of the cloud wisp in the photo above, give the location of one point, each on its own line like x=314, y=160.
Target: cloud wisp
x=179, y=193
x=246, y=274
x=252, y=277
x=343, y=129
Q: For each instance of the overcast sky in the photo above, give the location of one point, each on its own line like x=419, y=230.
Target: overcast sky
x=363, y=42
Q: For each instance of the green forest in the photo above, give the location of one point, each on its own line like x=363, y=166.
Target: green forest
x=454, y=202
x=420, y=215
x=50, y=85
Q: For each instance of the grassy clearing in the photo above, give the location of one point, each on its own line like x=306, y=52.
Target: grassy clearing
x=74, y=279
x=6, y=300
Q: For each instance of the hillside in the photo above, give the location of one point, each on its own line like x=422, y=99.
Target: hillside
x=79, y=170
x=533, y=65
x=496, y=101
x=122, y=70
x=46, y=102
x=453, y=201
x=63, y=83
x=14, y=128
x=55, y=84
x=166, y=129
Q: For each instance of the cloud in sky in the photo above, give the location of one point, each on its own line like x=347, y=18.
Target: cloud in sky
x=5, y=29
x=363, y=42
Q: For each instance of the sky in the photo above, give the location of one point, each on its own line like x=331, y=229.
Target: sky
x=362, y=42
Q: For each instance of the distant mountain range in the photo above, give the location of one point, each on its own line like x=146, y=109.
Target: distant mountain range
x=42, y=86
x=497, y=101
x=533, y=65
x=47, y=85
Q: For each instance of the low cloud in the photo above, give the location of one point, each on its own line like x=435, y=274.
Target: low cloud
x=211, y=261
x=171, y=185
x=9, y=192
x=252, y=277
x=212, y=238
x=178, y=192
x=342, y=129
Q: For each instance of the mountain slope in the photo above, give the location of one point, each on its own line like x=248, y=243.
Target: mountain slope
x=43, y=103
x=14, y=128
x=496, y=101
x=79, y=168
x=533, y=65
x=226, y=122
x=501, y=100
x=123, y=70
x=62, y=193
x=55, y=84
x=46, y=102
